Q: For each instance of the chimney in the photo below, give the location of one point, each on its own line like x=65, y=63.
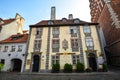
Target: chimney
x=53, y=11
x=70, y=16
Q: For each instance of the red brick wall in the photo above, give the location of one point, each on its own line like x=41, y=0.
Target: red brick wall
x=111, y=33
x=116, y=6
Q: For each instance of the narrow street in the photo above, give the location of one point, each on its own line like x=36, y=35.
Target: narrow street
x=60, y=76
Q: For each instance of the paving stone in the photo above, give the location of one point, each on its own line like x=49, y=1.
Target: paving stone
x=60, y=76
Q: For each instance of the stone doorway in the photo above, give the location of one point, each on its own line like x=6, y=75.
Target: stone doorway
x=16, y=65
x=92, y=61
x=36, y=60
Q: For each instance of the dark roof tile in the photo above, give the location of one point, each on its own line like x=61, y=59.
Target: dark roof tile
x=60, y=22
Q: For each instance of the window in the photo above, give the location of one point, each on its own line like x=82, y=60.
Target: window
x=75, y=59
x=55, y=59
x=3, y=61
x=89, y=43
x=13, y=49
x=37, y=45
x=74, y=45
x=50, y=22
x=76, y=20
x=17, y=37
x=39, y=32
x=55, y=31
x=73, y=31
x=5, y=48
x=20, y=48
x=87, y=31
x=64, y=20
x=0, y=48
x=55, y=45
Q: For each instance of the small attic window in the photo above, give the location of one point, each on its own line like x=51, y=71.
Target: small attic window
x=76, y=20
x=50, y=22
x=17, y=37
x=64, y=20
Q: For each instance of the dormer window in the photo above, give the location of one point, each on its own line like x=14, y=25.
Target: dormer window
x=77, y=21
x=64, y=20
x=17, y=37
x=50, y=22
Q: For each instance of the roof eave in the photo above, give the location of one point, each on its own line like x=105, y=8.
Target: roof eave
x=52, y=25
x=12, y=42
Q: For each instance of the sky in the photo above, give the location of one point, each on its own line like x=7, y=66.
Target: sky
x=33, y=11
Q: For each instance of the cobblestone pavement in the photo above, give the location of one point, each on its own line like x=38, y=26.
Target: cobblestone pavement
x=60, y=76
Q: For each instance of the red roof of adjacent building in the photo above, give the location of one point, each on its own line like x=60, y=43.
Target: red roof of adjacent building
x=19, y=38
x=7, y=21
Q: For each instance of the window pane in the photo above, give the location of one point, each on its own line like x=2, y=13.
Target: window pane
x=20, y=48
x=73, y=57
x=37, y=45
x=55, y=32
x=74, y=42
x=89, y=44
x=74, y=61
x=86, y=29
x=73, y=29
x=57, y=61
x=53, y=61
x=55, y=45
x=3, y=61
x=53, y=57
x=6, y=49
x=39, y=32
x=0, y=48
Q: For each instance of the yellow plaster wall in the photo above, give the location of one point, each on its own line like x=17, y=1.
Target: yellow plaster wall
x=44, y=47
x=64, y=34
x=30, y=47
x=95, y=39
x=84, y=46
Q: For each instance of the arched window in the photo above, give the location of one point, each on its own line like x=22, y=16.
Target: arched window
x=50, y=22
x=76, y=20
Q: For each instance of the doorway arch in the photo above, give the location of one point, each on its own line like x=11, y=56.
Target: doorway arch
x=36, y=60
x=16, y=65
x=92, y=61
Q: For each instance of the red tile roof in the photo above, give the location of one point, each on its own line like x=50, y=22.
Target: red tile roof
x=60, y=23
x=7, y=21
x=19, y=38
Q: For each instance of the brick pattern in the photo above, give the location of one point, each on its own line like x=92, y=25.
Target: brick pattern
x=104, y=18
x=110, y=30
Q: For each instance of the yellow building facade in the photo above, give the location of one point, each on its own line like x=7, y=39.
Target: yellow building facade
x=63, y=41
